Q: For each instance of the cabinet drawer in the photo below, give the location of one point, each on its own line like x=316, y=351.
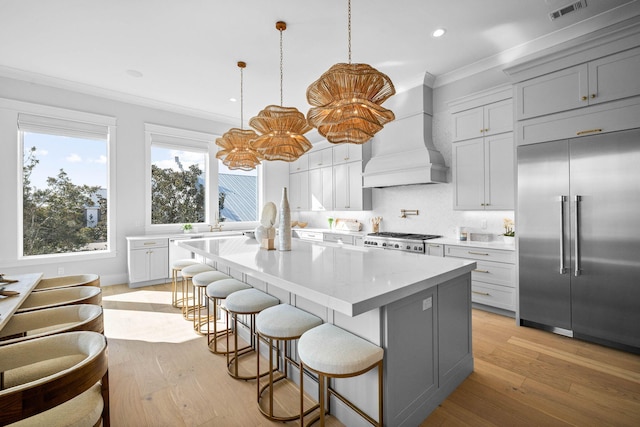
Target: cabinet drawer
x=339, y=238
x=497, y=273
x=149, y=243
x=481, y=254
x=435, y=249
x=309, y=235
x=493, y=295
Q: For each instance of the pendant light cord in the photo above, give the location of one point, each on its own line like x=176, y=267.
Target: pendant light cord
x=241, y=98
x=281, y=99
x=349, y=28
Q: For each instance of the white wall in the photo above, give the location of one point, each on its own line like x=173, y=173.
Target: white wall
x=433, y=201
x=130, y=174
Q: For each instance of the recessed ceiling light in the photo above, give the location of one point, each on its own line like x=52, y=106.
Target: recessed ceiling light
x=134, y=73
x=233, y=100
x=439, y=32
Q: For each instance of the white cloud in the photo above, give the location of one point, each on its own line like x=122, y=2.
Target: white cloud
x=101, y=160
x=42, y=152
x=74, y=158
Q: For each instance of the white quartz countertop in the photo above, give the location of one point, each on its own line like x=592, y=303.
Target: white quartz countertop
x=474, y=244
x=193, y=235
x=345, y=278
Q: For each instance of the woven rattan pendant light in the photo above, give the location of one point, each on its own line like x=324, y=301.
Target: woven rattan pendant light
x=282, y=129
x=347, y=100
x=237, y=152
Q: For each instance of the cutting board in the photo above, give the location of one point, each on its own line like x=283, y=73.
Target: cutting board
x=343, y=224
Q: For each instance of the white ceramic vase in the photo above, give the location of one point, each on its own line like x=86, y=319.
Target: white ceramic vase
x=284, y=228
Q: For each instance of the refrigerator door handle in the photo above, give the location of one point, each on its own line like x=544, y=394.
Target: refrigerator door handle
x=577, y=242
x=563, y=268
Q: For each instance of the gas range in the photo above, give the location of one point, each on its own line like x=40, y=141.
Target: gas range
x=407, y=242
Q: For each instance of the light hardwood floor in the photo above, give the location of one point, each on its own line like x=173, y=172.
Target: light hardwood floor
x=161, y=374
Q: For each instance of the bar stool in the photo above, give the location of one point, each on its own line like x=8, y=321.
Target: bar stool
x=332, y=352
x=176, y=269
x=62, y=296
x=216, y=292
x=187, y=273
x=51, y=321
x=282, y=323
x=67, y=282
x=200, y=282
x=249, y=302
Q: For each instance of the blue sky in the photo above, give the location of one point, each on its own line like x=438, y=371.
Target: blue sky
x=84, y=160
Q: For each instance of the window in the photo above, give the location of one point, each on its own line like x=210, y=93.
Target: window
x=178, y=176
x=237, y=194
x=188, y=185
x=65, y=205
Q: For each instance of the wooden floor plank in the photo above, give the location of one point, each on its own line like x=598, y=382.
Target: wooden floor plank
x=162, y=374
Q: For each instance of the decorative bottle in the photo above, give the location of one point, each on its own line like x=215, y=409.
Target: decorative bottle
x=284, y=232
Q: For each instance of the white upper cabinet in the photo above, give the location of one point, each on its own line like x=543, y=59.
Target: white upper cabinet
x=347, y=182
x=485, y=120
x=615, y=76
x=345, y=153
x=321, y=188
x=330, y=179
x=606, y=79
x=300, y=164
x=483, y=151
x=299, y=191
x=320, y=158
x=484, y=173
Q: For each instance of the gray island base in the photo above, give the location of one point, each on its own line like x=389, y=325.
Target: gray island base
x=416, y=307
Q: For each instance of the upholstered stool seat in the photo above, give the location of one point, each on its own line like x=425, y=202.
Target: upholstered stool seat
x=332, y=352
x=280, y=323
x=68, y=282
x=200, y=282
x=50, y=321
x=188, y=311
x=176, y=269
x=55, y=381
x=246, y=302
x=216, y=292
x=62, y=296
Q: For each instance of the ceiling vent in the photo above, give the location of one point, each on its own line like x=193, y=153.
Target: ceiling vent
x=567, y=9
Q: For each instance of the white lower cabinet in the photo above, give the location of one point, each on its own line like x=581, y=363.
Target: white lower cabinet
x=148, y=259
x=493, y=282
x=434, y=249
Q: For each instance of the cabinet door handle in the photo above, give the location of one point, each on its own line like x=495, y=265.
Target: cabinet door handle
x=346, y=158
x=584, y=132
x=481, y=130
x=583, y=98
x=487, y=294
x=578, y=199
x=593, y=95
x=481, y=271
x=433, y=245
x=477, y=253
x=149, y=243
x=486, y=130
x=563, y=269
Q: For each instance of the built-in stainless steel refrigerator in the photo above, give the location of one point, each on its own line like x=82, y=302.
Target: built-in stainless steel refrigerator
x=578, y=222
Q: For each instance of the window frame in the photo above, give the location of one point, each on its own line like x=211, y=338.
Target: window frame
x=57, y=113
x=178, y=138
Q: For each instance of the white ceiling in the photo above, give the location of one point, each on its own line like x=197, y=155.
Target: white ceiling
x=186, y=50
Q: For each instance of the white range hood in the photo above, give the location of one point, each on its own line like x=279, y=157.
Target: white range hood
x=403, y=152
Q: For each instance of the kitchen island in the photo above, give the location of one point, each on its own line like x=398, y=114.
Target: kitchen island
x=418, y=308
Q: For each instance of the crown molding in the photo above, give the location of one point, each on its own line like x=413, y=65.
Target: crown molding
x=58, y=83
x=582, y=28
